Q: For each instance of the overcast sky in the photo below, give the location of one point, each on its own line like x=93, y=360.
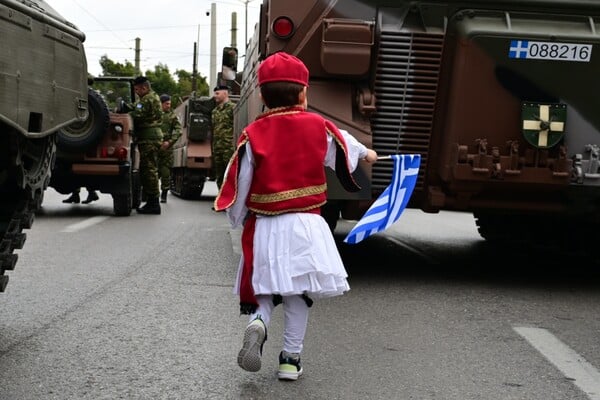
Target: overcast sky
x=167, y=30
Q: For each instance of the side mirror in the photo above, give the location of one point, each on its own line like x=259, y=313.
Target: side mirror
x=229, y=63
x=122, y=106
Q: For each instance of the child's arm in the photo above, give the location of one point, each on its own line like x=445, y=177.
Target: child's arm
x=371, y=156
x=357, y=151
x=238, y=210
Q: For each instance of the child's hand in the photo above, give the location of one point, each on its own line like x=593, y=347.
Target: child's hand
x=371, y=156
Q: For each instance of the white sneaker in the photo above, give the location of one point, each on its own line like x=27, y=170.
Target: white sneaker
x=254, y=338
x=290, y=367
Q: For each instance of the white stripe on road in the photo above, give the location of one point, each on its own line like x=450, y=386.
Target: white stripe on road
x=236, y=240
x=84, y=224
x=571, y=364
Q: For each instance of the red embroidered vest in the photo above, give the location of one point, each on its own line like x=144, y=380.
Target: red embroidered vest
x=291, y=140
x=289, y=151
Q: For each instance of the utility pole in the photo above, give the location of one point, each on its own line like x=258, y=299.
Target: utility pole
x=137, y=55
x=213, y=45
x=234, y=29
x=234, y=84
x=246, y=23
x=195, y=69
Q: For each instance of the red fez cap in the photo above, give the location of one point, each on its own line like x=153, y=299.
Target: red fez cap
x=282, y=67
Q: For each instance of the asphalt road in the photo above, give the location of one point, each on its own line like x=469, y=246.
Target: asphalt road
x=141, y=307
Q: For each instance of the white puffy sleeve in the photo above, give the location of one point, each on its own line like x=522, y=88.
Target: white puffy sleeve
x=356, y=151
x=237, y=212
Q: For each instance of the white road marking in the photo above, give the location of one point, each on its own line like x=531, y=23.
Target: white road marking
x=84, y=224
x=571, y=364
x=236, y=240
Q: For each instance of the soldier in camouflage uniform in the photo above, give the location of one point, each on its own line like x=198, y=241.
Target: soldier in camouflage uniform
x=222, y=128
x=171, y=129
x=147, y=119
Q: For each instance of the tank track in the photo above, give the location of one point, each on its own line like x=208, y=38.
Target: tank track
x=14, y=218
x=25, y=167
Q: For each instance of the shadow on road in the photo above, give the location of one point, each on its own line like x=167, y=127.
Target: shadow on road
x=382, y=257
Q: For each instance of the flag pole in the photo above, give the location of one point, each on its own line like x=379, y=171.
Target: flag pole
x=384, y=158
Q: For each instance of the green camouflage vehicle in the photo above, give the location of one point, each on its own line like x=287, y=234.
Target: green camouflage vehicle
x=100, y=153
x=43, y=88
x=500, y=99
x=192, y=153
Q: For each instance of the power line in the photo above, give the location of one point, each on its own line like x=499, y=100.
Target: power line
x=97, y=20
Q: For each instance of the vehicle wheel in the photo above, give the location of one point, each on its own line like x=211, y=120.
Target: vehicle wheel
x=122, y=204
x=176, y=181
x=83, y=135
x=331, y=213
x=186, y=191
x=136, y=190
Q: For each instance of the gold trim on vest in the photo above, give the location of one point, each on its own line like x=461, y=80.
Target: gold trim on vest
x=287, y=210
x=288, y=194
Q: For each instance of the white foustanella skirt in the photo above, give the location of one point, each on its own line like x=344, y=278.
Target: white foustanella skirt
x=295, y=253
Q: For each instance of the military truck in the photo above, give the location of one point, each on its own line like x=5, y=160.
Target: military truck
x=100, y=152
x=43, y=87
x=498, y=97
x=192, y=153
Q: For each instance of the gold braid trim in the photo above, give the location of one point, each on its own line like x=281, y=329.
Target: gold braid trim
x=242, y=141
x=289, y=210
x=281, y=111
x=288, y=194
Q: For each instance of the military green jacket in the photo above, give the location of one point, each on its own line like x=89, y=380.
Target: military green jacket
x=222, y=124
x=171, y=127
x=147, y=117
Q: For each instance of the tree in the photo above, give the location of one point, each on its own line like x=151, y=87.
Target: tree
x=161, y=78
x=111, y=68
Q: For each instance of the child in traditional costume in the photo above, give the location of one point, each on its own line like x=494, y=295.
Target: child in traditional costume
x=274, y=185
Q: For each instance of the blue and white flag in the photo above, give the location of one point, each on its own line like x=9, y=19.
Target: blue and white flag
x=391, y=203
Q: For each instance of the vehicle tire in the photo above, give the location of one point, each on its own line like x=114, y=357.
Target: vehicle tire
x=122, y=201
x=186, y=191
x=193, y=183
x=176, y=181
x=82, y=136
x=122, y=204
x=136, y=190
x=330, y=211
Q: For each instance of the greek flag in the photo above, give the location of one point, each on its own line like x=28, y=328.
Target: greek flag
x=518, y=49
x=391, y=203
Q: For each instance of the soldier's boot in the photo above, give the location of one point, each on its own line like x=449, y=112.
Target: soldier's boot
x=92, y=196
x=163, y=196
x=74, y=198
x=152, y=206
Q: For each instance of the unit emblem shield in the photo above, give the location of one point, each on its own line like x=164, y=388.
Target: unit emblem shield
x=543, y=124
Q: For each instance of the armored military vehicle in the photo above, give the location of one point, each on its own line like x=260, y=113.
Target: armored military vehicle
x=100, y=152
x=43, y=87
x=192, y=153
x=498, y=97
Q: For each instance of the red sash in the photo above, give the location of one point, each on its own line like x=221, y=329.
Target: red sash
x=248, y=303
